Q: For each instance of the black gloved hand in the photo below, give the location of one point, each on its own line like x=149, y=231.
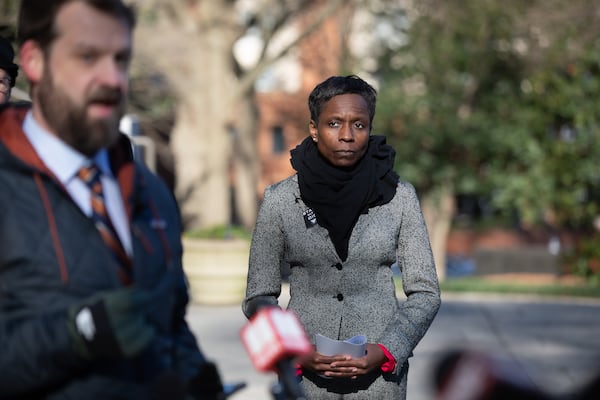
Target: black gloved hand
x=111, y=324
x=206, y=385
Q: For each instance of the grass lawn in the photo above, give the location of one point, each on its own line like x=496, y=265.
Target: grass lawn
x=522, y=284
x=538, y=284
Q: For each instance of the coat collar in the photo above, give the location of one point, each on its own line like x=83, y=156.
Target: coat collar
x=13, y=138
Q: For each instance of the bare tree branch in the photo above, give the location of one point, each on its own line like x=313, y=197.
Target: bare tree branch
x=248, y=80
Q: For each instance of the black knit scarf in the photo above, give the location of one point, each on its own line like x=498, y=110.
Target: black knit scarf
x=339, y=195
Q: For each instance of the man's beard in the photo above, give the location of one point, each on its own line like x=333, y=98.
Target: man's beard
x=70, y=122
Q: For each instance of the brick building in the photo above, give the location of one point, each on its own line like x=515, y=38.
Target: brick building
x=283, y=107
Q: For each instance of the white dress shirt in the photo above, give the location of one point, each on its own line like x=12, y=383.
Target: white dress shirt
x=65, y=162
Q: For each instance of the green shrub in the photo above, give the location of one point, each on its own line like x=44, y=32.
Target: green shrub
x=220, y=232
x=584, y=259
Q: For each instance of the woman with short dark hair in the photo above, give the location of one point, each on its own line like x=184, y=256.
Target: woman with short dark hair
x=339, y=224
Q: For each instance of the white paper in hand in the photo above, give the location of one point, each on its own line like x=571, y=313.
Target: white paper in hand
x=355, y=346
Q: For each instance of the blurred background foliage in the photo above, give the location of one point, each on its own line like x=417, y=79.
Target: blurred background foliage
x=494, y=101
x=502, y=101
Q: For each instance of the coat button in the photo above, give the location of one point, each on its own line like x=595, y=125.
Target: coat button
x=340, y=297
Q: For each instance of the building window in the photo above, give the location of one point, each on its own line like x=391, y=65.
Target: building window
x=278, y=140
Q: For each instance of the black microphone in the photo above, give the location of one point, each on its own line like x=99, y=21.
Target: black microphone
x=258, y=303
x=272, y=338
x=168, y=386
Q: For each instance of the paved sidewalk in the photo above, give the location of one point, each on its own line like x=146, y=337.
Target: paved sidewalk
x=554, y=341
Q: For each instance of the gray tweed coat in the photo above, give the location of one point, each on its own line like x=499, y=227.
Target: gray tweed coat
x=355, y=297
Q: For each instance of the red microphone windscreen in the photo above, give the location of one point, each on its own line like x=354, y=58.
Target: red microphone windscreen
x=272, y=335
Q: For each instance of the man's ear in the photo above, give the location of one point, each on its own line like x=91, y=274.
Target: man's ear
x=31, y=60
x=312, y=129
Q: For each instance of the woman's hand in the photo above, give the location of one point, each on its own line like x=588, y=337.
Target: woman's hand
x=344, y=366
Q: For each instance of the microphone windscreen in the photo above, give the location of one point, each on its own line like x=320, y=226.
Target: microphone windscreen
x=273, y=334
x=474, y=375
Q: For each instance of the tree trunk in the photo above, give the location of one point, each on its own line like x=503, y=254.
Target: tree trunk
x=201, y=139
x=438, y=209
x=202, y=153
x=246, y=165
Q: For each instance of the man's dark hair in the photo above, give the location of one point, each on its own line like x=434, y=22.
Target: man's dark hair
x=7, y=55
x=37, y=18
x=338, y=85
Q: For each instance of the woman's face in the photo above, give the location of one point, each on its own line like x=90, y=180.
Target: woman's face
x=342, y=132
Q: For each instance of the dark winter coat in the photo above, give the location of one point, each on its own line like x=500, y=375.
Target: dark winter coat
x=52, y=257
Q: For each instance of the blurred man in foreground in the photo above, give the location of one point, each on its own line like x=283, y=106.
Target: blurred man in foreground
x=92, y=291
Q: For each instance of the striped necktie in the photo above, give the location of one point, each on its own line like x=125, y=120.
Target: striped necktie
x=90, y=175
